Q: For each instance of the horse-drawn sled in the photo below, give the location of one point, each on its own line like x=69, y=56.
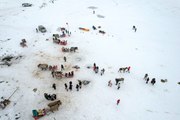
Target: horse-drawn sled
x=59, y=74
x=42, y=112
x=6, y=102
x=71, y=49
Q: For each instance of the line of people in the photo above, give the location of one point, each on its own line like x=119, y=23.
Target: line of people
x=70, y=87
x=146, y=78
x=96, y=69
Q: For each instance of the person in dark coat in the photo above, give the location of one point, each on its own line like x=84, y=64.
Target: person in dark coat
x=80, y=84
x=54, y=86
x=134, y=28
x=62, y=67
x=66, y=74
x=72, y=73
x=77, y=87
x=118, y=101
x=66, y=86
x=94, y=28
x=97, y=69
x=65, y=59
x=94, y=66
x=110, y=83
x=145, y=76
x=153, y=81
x=69, y=74
x=70, y=85
x=118, y=86
x=147, y=80
x=102, y=71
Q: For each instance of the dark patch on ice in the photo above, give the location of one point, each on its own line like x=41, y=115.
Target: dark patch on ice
x=92, y=7
x=100, y=16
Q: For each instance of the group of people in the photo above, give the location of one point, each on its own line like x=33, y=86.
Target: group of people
x=69, y=74
x=117, y=83
x=146, y=78
x=96, y=69
x=50, y=97
x=78, y=86
x=53, y=67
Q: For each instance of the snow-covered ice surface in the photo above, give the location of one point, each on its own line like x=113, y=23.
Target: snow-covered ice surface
x=153, y=49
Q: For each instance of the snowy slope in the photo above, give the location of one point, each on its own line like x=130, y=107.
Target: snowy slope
x=153, y=49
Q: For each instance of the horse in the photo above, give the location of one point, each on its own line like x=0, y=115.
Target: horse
x=43, y=66
x=119, y=80
x=73, y=49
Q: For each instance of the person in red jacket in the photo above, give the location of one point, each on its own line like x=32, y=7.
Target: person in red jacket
x=118, y=101
x=128, y=69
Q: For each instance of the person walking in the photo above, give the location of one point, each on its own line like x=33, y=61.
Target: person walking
x=128, y=69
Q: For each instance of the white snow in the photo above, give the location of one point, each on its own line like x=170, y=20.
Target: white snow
x=153, y=49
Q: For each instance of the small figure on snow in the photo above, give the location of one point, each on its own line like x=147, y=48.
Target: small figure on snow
x=97, y=69
x=66, y=86
x=77, y=87
x=110, y=83
x=80, y=83
x=62, y=67
x=145, y=76
x=118, y=101
x=128, y=69
x=54, y=86
x=65, y=59
x=153, y=81
x=36, y=30
x=70, y=85
x=134, y=28
x=119, y=85
x=147, y=80
x=102, y=71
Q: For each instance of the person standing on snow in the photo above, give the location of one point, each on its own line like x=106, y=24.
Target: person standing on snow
x=62, y=67
x=134, y=28
x=118, y=101
x=128, y=69
x=77, y=87
x=102, y=71
x=54, y=86
x=80, y=84
x=110, y=83
x=118, y=86
x=145, y=76
x=147, y=80
x=65, y=59
x=70, y=85
x=66, y=86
